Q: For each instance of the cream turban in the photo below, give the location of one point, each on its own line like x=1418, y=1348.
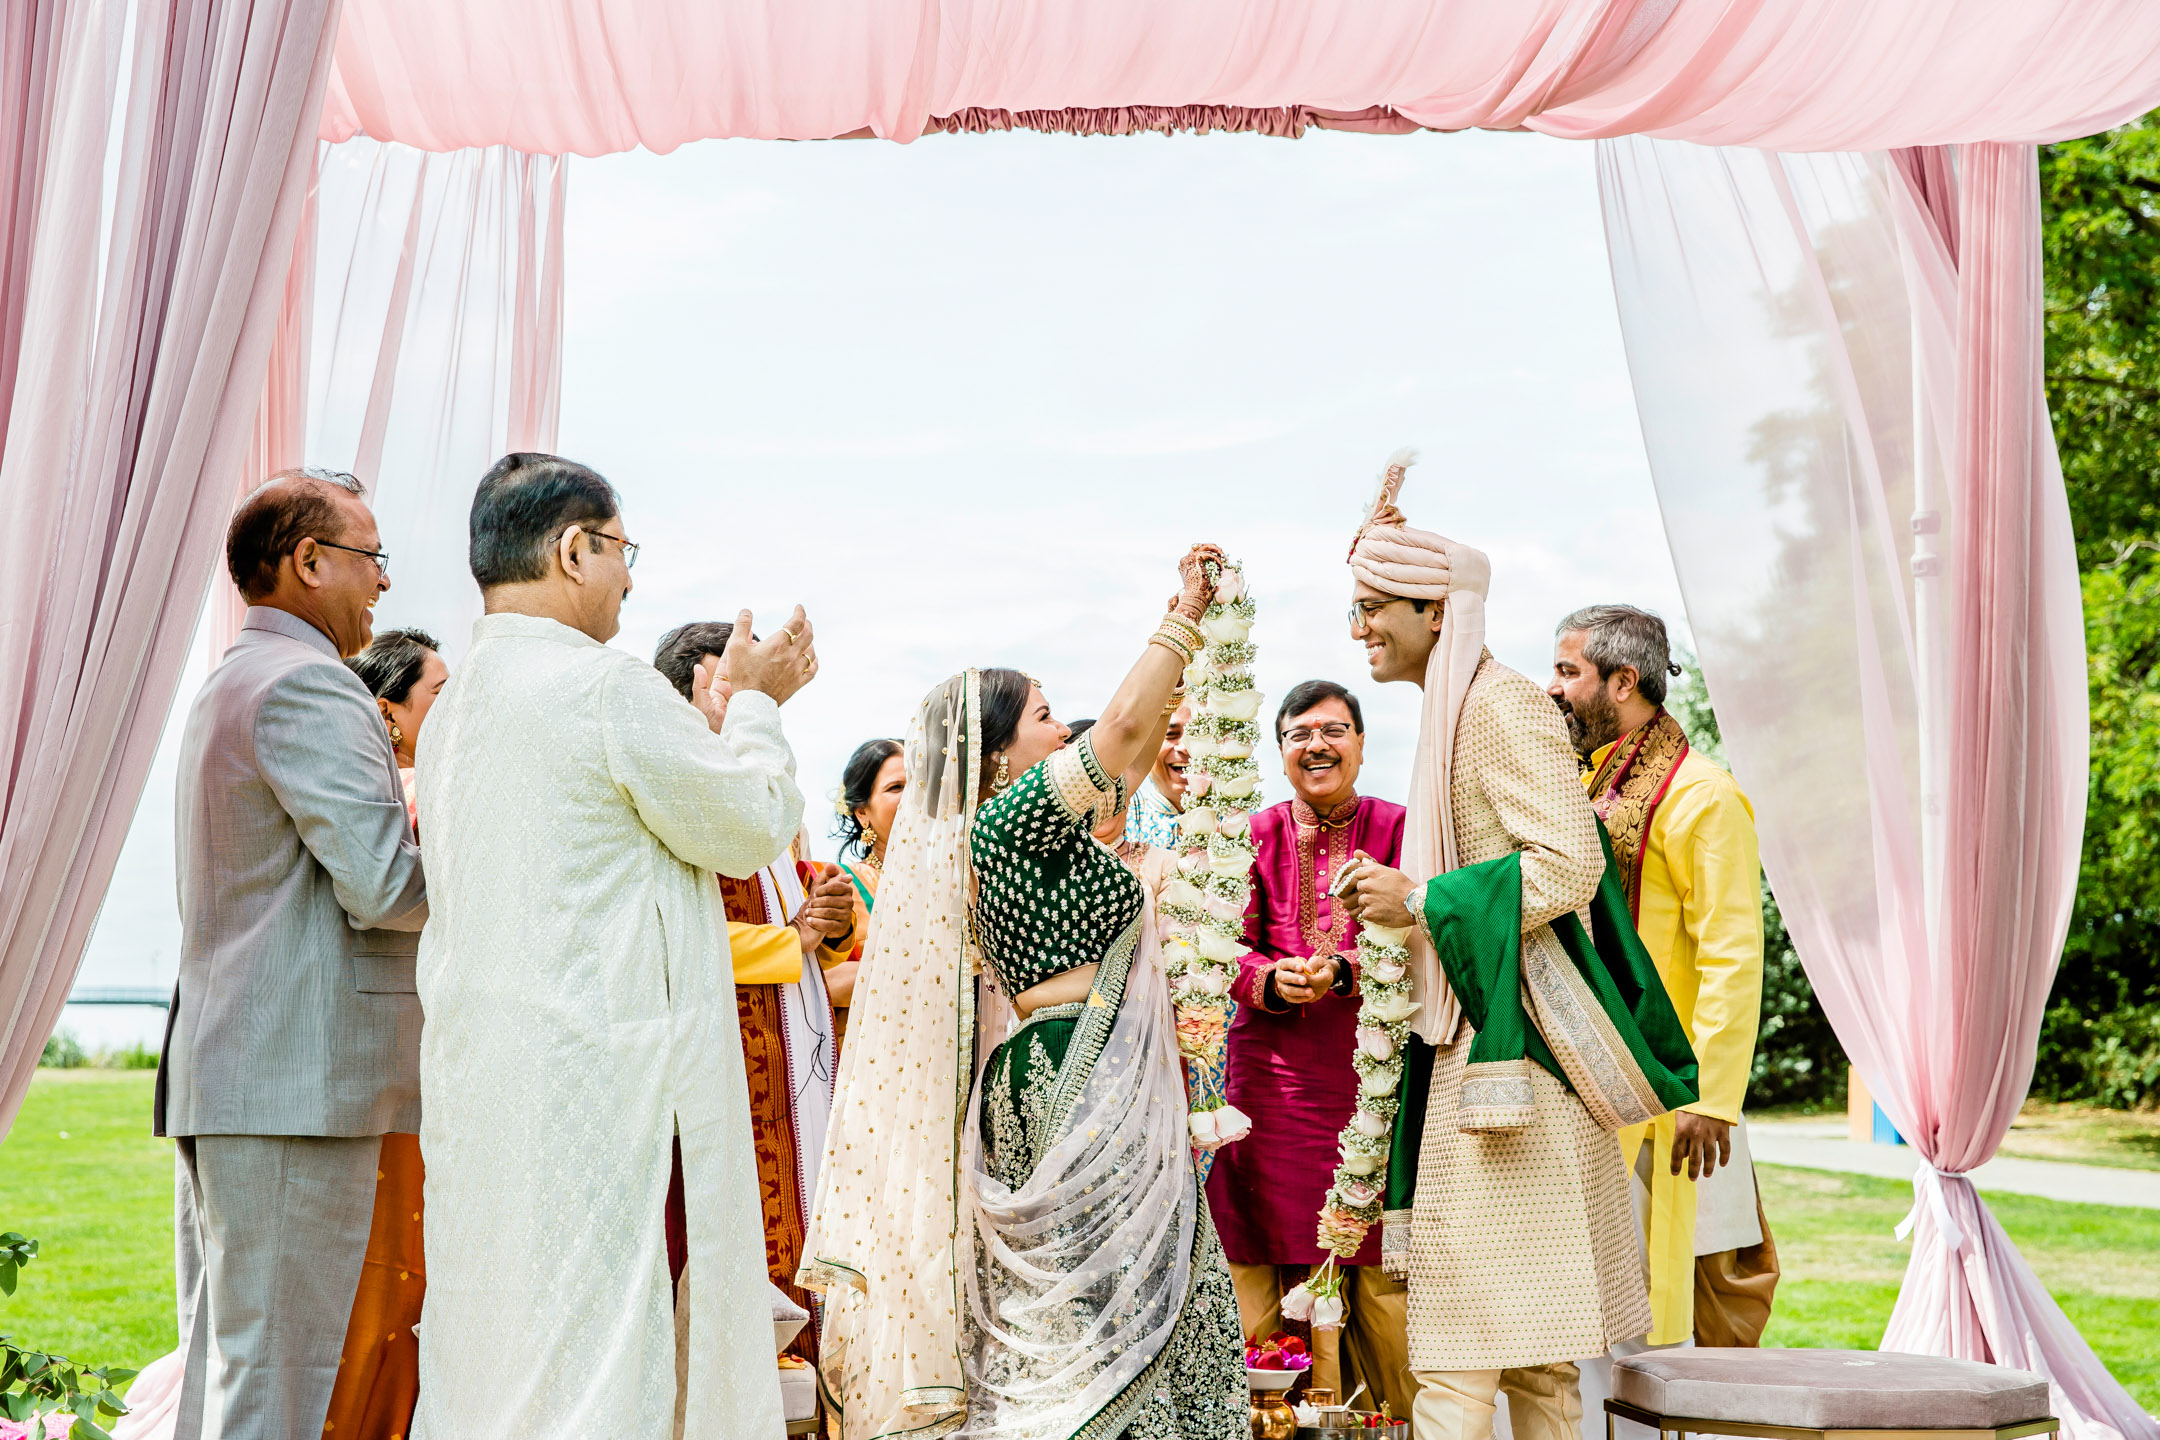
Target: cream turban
x=1392, y=558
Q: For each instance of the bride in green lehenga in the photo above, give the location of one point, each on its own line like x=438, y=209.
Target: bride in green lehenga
x=1008, y=1228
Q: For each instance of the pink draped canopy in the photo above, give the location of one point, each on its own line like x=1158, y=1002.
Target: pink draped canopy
x=589, y=77
x=1922, y=832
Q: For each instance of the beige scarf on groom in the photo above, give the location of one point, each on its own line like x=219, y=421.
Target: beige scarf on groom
x=1419, y=565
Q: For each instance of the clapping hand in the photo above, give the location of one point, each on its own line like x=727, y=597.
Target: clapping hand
x=779, y=665
x=829, y=913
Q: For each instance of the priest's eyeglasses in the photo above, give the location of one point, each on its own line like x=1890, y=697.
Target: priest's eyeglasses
x=629, y=547
x=381, y=559
x=1334, y=732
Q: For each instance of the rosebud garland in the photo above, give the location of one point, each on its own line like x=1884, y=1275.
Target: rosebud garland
x=1355, y=1200
x=1203, y=907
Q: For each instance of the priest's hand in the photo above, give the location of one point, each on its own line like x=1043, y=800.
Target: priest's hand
x=1380, y=895
x=778, y=665
x=829, y=913
x=1702, y=1143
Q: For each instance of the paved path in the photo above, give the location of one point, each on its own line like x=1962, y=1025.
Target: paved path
x=1821, y=1145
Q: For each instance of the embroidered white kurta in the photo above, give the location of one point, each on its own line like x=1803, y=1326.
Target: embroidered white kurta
x=581, y=1012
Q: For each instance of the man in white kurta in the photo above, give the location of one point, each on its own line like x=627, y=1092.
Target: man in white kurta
x=579, y=1001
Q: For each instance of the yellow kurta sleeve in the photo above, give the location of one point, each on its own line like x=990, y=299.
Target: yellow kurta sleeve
x=765, y=954
x=1707, y=830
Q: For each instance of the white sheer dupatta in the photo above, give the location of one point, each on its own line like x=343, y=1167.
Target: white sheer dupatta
x=1076, y=1278
x=881, y=1235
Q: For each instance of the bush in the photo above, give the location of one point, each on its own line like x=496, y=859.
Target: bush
x=64, y=1052
x=136, y=1057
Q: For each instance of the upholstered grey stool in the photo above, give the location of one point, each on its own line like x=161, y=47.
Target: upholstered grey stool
x=1826, y=1395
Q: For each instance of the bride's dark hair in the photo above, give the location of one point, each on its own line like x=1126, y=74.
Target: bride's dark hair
x=1004, y=701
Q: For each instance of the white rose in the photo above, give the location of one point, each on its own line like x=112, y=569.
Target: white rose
x=1207, y=981
x=1197, y=782
x=1178, y=952
x=1226, y=627
x=1193, y=862
x=1237, y=787
x=1216, y=946
x=1180, y=891
x=1387, y=972
x=1390, y=1009
x=1380, y=1080
x=1386, y=934
x=1229, y=585
x=1327, y=1312
x=1298, y=1304
x=1234, y=704
x=1203, y=1128
x=1232, y=1124
x=1235, y=824
x=1230, y=862
x=1371, y=1126
x=1233, y=748
x=1375, y=1043
x=1358, y=1164
x=1200, y=820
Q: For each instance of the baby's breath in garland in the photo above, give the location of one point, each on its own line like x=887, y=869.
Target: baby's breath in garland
x=1203, y=906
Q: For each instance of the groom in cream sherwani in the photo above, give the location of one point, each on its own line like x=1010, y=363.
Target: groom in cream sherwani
x=579, y=998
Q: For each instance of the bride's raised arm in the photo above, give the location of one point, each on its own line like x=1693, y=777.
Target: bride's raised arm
x=1131, y=725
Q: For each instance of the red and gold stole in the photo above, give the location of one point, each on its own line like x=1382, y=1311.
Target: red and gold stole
x=1629, y=787
x=772, y=1125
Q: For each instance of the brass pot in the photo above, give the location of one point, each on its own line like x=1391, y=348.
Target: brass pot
x=1272, y=1417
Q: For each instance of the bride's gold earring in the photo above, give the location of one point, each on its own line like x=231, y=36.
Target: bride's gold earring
x=1003, y=777
x=397, y=736
x=869, y=837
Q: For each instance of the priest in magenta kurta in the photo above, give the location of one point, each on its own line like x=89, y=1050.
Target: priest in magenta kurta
x=1290, y=1047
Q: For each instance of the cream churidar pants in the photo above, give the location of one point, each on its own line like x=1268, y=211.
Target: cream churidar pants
x=1544, y=1403
x=1372, y=1348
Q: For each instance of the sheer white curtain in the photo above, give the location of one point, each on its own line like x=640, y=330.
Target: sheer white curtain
x=421, y=337
x=1836, y=360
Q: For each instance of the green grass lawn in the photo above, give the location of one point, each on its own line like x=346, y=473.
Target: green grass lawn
x=1841, y=1266
x=82, y=1174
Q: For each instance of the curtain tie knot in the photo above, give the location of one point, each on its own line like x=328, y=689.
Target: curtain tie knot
x=1927, y=1184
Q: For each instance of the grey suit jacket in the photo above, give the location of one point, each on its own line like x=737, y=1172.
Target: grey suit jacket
x=301, y=902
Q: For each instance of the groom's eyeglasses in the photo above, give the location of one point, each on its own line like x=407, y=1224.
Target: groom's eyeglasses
x=1362, y=611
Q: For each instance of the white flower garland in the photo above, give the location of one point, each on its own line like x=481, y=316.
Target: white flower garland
x=1203, y=905
x=1359, y=1193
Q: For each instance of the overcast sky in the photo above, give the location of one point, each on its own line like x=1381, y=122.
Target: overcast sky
x=968, y=400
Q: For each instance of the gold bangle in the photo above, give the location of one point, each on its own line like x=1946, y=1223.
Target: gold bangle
x=1190, y=644
x=1184, y=655
x=1185, y=627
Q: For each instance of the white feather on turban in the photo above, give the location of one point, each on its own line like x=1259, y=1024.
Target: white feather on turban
x=1394, y=559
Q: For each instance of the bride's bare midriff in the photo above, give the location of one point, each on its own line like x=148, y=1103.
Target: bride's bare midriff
x=1057, y=990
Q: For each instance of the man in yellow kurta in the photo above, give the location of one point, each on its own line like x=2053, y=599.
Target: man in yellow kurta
x=1684, y=837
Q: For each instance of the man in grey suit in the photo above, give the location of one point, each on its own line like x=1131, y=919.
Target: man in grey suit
x=294, y=1040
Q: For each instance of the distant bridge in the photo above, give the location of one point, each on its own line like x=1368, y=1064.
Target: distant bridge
x=120, y=995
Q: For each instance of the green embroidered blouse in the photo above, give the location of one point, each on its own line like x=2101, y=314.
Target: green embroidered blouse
x=1050, y=897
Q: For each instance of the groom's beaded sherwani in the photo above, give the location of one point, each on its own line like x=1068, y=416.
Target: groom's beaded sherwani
x=1523, y=1248
x=581, y=1013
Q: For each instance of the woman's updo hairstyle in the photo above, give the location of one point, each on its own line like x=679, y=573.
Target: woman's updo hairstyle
x=392, y=662
x=1004, y=702
x=856, y=783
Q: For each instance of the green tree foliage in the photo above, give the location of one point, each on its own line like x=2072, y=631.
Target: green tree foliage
x=2101, y=233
